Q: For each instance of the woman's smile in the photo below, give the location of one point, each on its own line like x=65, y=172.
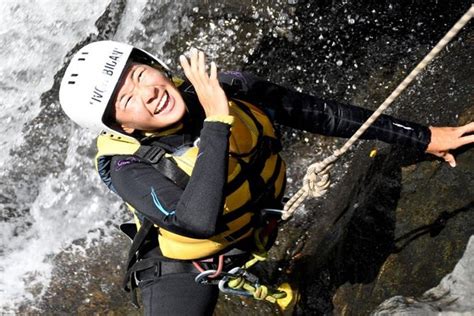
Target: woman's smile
x=165, y=105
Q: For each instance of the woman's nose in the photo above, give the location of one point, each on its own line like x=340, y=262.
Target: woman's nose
x=148, y=94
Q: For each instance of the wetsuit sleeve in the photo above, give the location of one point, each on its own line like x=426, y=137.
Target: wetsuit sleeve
x=193, y=212
x=316, y=115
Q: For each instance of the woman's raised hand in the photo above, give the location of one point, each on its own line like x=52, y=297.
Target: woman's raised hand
x=210, y=93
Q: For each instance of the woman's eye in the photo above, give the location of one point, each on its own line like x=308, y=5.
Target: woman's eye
x=140, y=75
x=128, y=101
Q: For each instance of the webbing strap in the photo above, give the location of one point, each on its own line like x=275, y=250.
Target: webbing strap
x=132, y=259
x=134, y=263
x=133, y=252
x=155, y=155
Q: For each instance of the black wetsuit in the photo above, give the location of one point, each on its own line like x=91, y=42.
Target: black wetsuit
x=194, y=212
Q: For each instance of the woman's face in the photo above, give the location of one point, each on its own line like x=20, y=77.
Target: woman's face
x=147, y=100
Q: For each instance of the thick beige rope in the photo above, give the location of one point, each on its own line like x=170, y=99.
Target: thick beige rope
x=316, y=181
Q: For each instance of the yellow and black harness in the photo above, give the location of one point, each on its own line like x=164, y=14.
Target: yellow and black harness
x=256, y=174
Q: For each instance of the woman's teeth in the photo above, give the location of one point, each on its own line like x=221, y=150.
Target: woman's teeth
x=163, y=102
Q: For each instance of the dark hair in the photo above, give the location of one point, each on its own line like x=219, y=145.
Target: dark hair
x=109, y=114
x=139, y=57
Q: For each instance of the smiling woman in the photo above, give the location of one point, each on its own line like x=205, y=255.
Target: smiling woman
x=196, y=160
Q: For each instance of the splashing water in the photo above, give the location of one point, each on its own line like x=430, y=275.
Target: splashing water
x=50, y=194
x=41, y=210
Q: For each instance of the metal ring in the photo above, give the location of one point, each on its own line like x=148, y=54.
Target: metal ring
x=200, y=277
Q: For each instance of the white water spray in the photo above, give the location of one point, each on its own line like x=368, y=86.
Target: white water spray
x=38, y=215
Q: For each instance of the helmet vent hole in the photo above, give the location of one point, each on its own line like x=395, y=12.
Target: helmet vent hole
x=73, y=75
x=71, y=82
x=85, y=53
x=81, y=59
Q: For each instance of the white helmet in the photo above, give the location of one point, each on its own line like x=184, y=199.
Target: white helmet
x=90, y=80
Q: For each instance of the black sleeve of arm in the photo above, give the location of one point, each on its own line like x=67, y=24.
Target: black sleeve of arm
x=193, y=212
x=316, y=115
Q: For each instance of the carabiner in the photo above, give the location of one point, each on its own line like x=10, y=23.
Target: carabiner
x=235, y=272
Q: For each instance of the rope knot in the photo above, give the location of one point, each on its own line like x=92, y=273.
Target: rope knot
x=315, y=184
x=317, y=181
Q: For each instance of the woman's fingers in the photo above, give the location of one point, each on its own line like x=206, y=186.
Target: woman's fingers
x=211, y=95
x=464, y=140
x=195, y=67
x=213, y=75
x=185, y=64
x=194, y=60
x=202, y=65
x=468, y=128
x=188, y=70
x=449, y=158
x=446, y=156
x=464, y=135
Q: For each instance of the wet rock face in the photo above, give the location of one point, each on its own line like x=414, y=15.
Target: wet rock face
x=406, y=247
x=393, y=224
x=454, y=294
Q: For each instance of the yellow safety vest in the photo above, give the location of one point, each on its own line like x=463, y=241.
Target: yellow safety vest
x=250, y=155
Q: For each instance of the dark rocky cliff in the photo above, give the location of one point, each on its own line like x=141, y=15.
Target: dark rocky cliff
x=393, y=224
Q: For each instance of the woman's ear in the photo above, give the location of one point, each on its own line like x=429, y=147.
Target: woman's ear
x=128, y=130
